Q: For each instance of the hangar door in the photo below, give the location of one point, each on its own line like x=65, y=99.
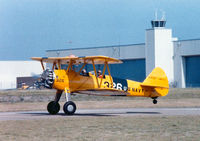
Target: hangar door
x=130, y=69
x=192, y=71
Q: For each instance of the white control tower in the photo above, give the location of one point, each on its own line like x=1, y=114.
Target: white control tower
x=159, y=48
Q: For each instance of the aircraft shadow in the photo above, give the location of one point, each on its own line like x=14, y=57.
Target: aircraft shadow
x=150, y=113
x=93, y=114
x=115, y=114
x=62, y=114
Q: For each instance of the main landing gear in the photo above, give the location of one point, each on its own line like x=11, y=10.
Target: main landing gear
x=154, y=100
x=69, y=107
x=53, y=107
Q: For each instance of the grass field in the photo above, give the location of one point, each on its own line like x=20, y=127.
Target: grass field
x=45, y=95
x=172, y=91
x=111, y=128
x=101, y=128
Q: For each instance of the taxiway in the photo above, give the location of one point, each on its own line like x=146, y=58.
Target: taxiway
x=27, y=115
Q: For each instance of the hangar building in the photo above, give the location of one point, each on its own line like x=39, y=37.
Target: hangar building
x=179, y=58
x=13, y=69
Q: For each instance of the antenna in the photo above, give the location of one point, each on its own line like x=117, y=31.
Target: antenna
x=156, y=14
x=163, y=15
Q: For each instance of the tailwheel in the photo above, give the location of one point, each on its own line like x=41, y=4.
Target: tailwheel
x=155, y=101
x=69, y=108
x=53, y=107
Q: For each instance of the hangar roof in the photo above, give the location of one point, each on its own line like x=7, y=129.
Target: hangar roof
x=96, y=47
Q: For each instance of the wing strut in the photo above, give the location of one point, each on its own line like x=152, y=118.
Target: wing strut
x=82, y=68
x=69, y=66
x=59, y=65
x=95, y=73
x=54, y=65
x=104, y=69
x=109, y=72
x=42, y=65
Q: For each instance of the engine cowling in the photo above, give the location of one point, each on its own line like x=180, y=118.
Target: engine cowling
x=47, y=78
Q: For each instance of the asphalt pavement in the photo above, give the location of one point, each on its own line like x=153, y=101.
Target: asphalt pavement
x=28, y=115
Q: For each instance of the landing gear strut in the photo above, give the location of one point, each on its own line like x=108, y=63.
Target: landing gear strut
x=69, y=107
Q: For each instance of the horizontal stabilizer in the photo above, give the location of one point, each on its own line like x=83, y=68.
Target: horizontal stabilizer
x=153, y=86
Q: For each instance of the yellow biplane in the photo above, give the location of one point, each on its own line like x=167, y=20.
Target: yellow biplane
x=72, y=81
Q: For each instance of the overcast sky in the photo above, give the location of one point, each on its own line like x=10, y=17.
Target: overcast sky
x=30, y=27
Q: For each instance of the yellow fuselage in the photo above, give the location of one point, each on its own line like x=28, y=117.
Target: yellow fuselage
x=76, y=82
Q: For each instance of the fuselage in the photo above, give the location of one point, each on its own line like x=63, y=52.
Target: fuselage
x=118, y=87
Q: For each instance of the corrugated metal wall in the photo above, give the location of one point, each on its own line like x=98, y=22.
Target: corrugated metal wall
x=135, y=51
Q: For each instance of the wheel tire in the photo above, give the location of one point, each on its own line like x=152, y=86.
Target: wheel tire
x=155, y=101
x=53, y=107
x=69, y=108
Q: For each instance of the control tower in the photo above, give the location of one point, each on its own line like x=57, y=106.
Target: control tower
x=159, y=48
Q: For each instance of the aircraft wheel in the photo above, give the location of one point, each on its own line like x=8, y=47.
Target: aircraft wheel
x=155, y=101
x=69, y=108
x=53, y=107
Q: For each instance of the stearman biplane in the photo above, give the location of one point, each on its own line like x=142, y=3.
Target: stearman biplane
x=70, y=80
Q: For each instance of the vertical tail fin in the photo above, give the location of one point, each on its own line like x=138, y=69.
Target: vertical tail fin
x=158, y=80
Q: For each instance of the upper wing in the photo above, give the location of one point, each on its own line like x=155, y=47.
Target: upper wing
x=79, y=60
x=101, y=60
x=61, y=60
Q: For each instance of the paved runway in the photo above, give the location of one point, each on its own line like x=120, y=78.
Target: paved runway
x=4, y=116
